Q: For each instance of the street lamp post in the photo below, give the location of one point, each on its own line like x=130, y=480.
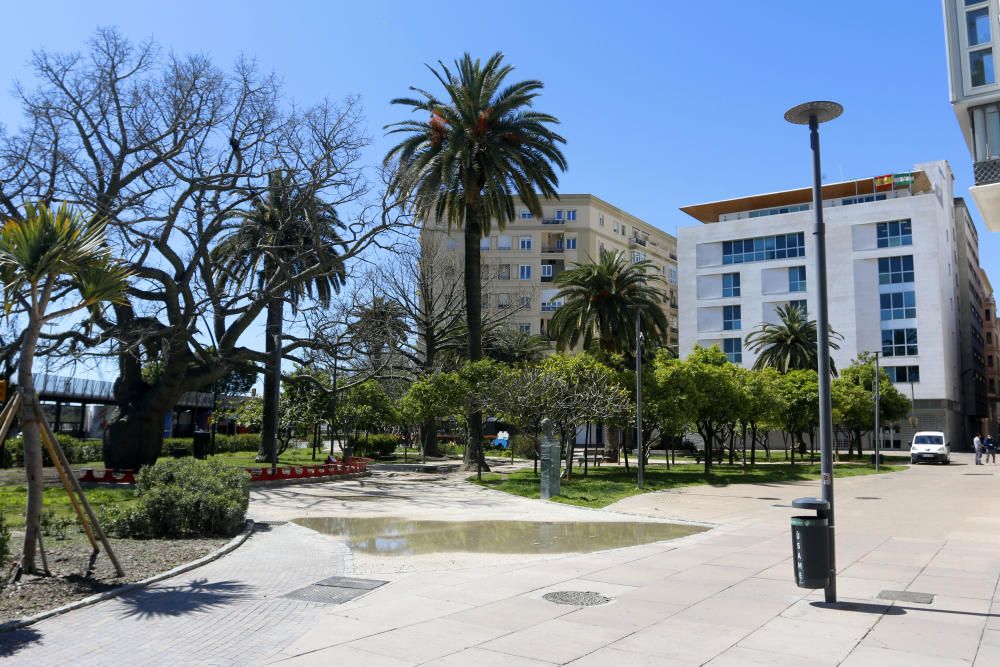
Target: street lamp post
x=812, y=114
x=641, y=467
x=878, y=421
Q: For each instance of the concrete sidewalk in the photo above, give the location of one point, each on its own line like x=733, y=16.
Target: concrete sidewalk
x=721, y=597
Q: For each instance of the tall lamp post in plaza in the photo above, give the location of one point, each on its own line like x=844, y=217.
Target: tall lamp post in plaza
x=812, y=114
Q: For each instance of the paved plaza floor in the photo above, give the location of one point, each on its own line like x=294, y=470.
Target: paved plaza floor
x=721, y=597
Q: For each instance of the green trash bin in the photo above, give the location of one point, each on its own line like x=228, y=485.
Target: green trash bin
x=811, y=551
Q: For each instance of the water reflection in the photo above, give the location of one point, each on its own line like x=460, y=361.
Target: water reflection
x=395, y=536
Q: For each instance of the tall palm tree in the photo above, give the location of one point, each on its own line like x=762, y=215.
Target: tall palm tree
x=790, y=344
x=46, y=256
x=289, y=244
x=600, y=300
x=461, y=163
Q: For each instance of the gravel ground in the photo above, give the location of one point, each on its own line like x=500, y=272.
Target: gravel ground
x=68, y=560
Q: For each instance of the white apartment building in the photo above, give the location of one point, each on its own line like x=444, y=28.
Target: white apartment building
x=521, y=262
x=971, y=32
x=899, y=258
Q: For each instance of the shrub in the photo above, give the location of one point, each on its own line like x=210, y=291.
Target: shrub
x=374, y=445
x=184, y=498
x=76, y=450
x=524, y=447
x=242, y=442
x=4, y=550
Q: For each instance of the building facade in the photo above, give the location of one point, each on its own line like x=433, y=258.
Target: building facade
x=973, y=43
x=901, y=251
x=991, y=332
x=521, y=262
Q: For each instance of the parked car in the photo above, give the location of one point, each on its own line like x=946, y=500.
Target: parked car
x=930, y=446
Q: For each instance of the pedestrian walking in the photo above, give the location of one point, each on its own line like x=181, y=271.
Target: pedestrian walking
x=991, y=449
x=977, y=444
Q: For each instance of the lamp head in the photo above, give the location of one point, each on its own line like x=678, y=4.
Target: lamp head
x=823, y=111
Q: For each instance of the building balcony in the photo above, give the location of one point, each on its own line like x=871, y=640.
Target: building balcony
x=552, y=221
x=987, y=171
x=635, y=240
x=550, y=307
x=550, y=249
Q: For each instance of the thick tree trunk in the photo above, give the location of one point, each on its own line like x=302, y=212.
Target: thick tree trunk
x=473, y=458
x=32, y=447
x=272, y=380
x=135, y=438
x=428, y=438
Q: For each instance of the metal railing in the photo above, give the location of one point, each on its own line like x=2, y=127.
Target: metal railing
x=987, y=171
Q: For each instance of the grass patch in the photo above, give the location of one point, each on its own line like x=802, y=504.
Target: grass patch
x=605, y=485
x=14, y=496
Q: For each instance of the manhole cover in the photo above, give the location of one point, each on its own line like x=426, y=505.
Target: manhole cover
x=767, y=498
x=577, y=598
x=906, y=596
x=270, y=522
x=978, y=474
x=867, y=498
x=334, y=590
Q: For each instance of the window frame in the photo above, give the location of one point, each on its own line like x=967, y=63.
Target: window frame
x=735, y=288
x=732, y=317
x=523, y=274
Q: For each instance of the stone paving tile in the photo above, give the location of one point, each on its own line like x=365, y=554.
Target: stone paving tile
x=866, y=656
x=623, y=614
x=686, y=642
x=485, y=658
x=804, y=639
x=925, y=637
x=426, y=641
x=343, y=655
x=512, y=614
x=555, y=641
x=739, y=656
x=617, y=657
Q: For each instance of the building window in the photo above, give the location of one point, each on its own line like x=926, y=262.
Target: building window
x=504, y=242
x=451, y=244
x=526, y=214
x=895, y=270
x=981, y=67
x=733, y=347
x=796, y=279
x=988, y=315
x=898, y=306
x=600, y=221
x=977, y=23
x=546, y=271
x=559, y=214
x=525, y=302
x=524, y=328
x=503, y=272
x=764, y=248
x=672, y=276
x=989, y=338
x=989, y=361
x=600, y=247
x=571, y=214
x=731, y=318
x=484, y=243
x=730, y=284
x=862, y=199
x=903, y=373
x=779, y=210
x=571, y=243
x=800, y=304
x=615, y=227
x=524, y=242
x=503, y=300
x=638, y=257
x=895, y=233
x=524, y=272
x=899, y=342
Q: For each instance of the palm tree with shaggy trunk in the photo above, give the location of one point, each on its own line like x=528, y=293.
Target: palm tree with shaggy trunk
x=53, y=263
x=789, y=344
x=462, y=163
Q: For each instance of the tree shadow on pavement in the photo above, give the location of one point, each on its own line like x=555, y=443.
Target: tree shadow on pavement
x=195, y=596
x=16, y=640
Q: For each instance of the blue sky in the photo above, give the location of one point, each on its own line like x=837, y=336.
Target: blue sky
x=662, y=103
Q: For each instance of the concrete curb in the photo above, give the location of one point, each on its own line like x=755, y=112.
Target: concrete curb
x=121, y=590
x=264, y=484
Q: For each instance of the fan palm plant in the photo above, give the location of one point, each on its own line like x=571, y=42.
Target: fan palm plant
x=289, y=245
x=790, y=344
x=46, y=257
x=600, y=300
x=511, y=346
x=461, y=164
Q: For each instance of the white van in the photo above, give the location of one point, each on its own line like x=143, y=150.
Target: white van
x=930, y=446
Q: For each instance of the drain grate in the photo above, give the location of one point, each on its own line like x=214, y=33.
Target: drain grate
x=577, y=598
x=270, y=522
x=906, y=596
x=867, y=498
x=334, y=590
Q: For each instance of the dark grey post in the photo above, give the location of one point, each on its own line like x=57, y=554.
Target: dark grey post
x=276, y=389
x=814, y=113
x=638, y=396
x=550, y=458
x=878, y=422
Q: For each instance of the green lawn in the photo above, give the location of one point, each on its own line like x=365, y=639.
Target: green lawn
x=778, y=456
x=605, y=485
x=13, y=497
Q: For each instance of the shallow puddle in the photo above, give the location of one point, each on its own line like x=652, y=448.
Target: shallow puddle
x=392, y=536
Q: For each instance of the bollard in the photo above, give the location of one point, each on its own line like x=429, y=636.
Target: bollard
x=550, y=460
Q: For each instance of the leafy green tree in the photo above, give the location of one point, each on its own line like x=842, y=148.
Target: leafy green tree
x=432, y=398
x=366, y=408
x=53, y=263
x=799, y=416
x=512, y=346
x=289, y=237
x=790, y=344
x=463, y=162
x=711, y=395
x=762, y=408
x=854, y=400
x=600, y=300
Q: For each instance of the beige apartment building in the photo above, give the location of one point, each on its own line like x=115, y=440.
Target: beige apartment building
x=991, y=331
x=522, y=261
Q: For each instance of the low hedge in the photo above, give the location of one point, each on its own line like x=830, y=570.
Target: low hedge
x=374, y=445
x=184, y=498
x=76, y=450
x=241, y=442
